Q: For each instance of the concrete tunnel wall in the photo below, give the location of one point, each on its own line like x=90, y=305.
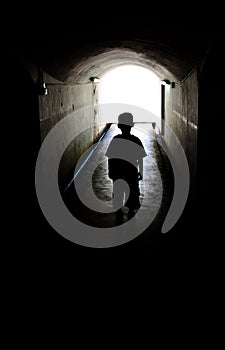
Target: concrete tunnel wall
x=181, y=115
x=61, y=101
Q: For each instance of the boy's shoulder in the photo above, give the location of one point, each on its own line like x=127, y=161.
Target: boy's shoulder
x=135, y=137
x=136, y=140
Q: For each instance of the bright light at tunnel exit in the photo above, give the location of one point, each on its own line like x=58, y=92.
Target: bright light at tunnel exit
x=134, y=85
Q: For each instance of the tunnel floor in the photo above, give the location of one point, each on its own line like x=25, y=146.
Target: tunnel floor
x=156, y=188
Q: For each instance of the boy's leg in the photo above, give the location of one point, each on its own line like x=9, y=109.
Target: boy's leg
x=118, y=197
x=133, y=202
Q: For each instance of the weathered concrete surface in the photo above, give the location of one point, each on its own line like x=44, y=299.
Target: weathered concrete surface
x=181, y=115
x=61, y=101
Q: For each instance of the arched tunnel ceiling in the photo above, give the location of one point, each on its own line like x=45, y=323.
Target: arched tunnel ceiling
x=80, y=62
x=73, y=53
x=88, y=61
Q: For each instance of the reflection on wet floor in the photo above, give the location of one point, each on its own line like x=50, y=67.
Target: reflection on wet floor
x=96, y=187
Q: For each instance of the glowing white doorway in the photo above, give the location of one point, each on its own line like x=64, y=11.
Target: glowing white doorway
x=132, y=85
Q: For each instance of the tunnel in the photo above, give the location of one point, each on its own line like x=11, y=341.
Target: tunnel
x=54, y=77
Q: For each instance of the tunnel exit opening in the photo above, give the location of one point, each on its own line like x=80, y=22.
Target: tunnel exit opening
x=132, y=85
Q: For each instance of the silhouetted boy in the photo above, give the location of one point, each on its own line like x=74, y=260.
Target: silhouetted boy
x=125, y=161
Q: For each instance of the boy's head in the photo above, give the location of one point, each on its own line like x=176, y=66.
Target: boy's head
x=125, y=121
